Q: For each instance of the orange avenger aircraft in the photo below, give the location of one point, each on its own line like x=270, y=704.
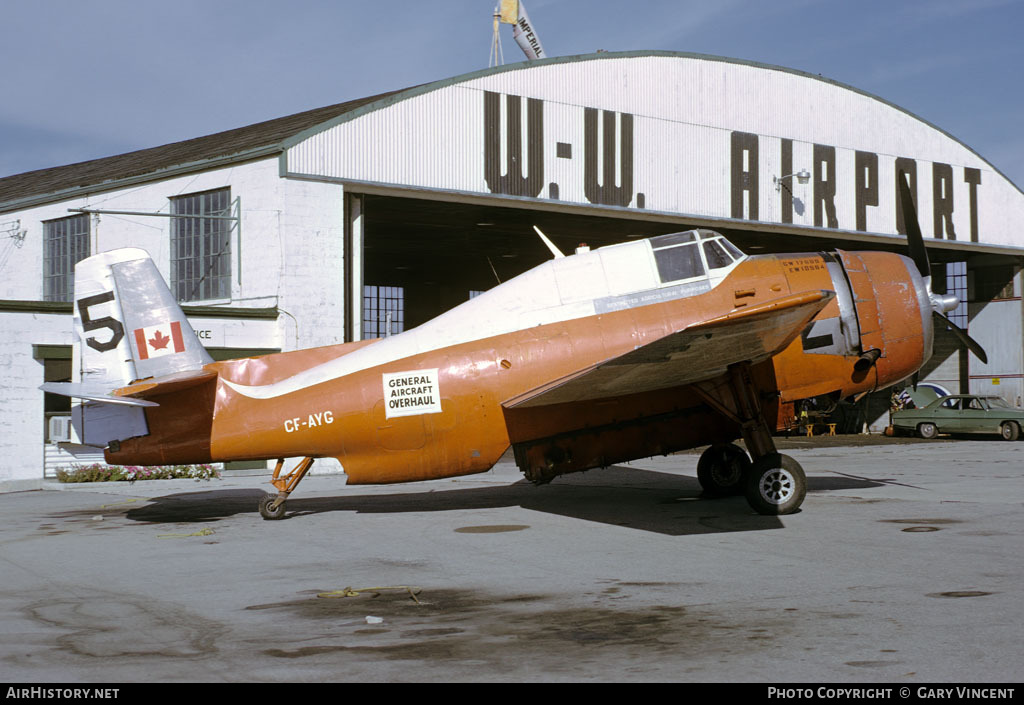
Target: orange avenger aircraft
x=600, y=357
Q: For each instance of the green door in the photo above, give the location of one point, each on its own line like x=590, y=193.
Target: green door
x=947, y=416
x=973, y=416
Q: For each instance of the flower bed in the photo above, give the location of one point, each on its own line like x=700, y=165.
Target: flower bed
x=131, y=473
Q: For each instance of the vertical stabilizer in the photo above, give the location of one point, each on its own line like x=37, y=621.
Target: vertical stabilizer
x=128, y=324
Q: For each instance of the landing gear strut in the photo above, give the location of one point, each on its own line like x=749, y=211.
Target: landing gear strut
x=774, y=483
x=272, y=507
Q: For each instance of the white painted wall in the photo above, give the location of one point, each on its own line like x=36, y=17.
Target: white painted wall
x=308, y=274
x=21, y=405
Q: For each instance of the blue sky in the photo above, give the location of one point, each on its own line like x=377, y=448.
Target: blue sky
x=83, y=79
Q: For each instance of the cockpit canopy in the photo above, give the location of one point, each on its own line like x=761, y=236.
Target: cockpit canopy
x=678, y=255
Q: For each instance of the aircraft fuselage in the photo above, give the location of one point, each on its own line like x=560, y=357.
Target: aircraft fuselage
x=429, y=402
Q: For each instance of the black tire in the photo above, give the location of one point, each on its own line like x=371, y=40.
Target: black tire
x=927, y=430
x=270, y=514
x=775, y=484
x=721, y=468
x=1009, y=430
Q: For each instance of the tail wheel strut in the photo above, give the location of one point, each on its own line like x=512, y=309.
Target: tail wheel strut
x=272, y=507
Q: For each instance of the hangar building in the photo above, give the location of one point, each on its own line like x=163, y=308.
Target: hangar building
x=377, y=214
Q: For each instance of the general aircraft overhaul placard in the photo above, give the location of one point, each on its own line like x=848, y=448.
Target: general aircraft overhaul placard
x=411, y=393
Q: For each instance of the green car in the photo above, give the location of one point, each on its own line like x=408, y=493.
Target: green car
x=961, y=413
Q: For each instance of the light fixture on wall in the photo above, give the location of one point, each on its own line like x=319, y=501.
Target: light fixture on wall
x=803, y=176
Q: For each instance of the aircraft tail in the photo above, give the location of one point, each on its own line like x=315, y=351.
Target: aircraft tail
x=128, y=327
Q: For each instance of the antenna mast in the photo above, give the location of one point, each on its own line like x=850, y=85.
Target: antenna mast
x=497, y=57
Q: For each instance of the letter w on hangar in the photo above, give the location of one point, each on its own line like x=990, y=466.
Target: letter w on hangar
x=370, y=217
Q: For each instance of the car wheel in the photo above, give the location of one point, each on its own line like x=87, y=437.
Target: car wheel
x=1010, y=431
x=927, y=430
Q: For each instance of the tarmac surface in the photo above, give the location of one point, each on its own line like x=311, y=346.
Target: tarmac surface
x=905, y=565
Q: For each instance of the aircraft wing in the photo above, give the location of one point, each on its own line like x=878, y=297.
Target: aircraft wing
x=698, y=352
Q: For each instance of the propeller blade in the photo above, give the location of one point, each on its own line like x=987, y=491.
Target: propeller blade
x=967, y=340
x=915, y=241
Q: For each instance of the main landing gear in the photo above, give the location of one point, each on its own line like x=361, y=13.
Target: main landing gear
x=773, y=483
x=272, y=507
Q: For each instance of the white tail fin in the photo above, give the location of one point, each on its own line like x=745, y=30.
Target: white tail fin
x=128, y=327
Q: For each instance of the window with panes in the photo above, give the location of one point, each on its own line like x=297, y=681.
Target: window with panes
x=65, y=242
x=383, y=311
x=956, y=283
x=201, y=246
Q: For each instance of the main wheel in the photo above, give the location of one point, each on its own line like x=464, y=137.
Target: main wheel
x=1010, y=431
x=928, y=430
x=265, y=509
x=775, y=484
x=720, y=469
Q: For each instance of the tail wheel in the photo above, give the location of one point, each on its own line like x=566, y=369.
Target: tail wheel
x=927, y=430
x=268, y=511
x=775, y=484
x=1009, y=430
x=721, y=468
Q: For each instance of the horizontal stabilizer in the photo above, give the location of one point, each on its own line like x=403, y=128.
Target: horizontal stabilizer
x=81, y=391
x=174, y=382
x=82, y=452
x=701, y=351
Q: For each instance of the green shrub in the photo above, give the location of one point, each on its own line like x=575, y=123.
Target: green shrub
x=130, y=473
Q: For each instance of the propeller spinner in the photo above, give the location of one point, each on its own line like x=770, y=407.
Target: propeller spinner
x=941, y=303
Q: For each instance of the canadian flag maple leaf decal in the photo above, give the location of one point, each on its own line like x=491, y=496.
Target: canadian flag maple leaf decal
x=159, y=341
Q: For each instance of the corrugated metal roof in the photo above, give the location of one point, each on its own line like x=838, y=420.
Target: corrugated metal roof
x=252, y=140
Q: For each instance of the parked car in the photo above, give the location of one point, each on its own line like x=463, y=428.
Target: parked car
x=961, y=413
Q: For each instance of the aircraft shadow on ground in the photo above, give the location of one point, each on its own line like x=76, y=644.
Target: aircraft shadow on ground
x=645, y=500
